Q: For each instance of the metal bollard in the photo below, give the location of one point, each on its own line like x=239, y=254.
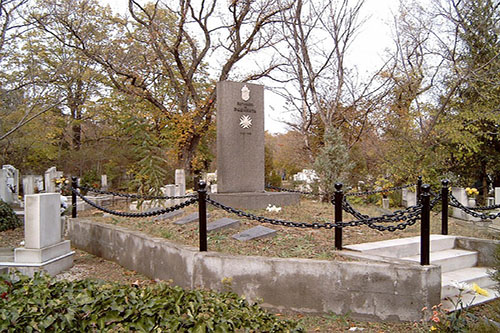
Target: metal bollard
x=202, y=214
x=425, y=230
x=74, y=186
x=444, y=208
x=339, y=195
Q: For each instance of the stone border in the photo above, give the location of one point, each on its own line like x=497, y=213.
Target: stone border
x=364, y=289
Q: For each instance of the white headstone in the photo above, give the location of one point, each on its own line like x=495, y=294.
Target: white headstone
x=104, y=182
x=497, y=195
x=39, y=184
x=170, y=192
x=9, y=183
x=385, y=203
x=213, y=188
x=461, y=196
x=50, y=177
x=180, y=180
x=29, y=184
x=43, y=241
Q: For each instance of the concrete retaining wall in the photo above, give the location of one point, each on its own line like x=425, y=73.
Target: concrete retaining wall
x=365, y=290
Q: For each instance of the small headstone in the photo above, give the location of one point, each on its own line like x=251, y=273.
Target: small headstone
x=491, y=201
x=461, y=196
x=104, y=182
x=213, y=188
x=497, y=195
x=385, y=203
x=9, y=184
x=180, y=180
x=169, y=192
x=168, y=215
x=50, y=180
x=194, y=217
x=29, y=184
x=222, y=223
x=254, y=233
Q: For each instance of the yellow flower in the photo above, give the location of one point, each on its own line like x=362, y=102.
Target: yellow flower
x=479, y=290
x=433, y=328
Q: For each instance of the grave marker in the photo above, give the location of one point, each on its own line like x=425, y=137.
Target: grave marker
x=222, y=223
x=44, y=246
x=254, y=233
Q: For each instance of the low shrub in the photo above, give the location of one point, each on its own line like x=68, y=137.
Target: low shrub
x=43, y=304
x=8, y=218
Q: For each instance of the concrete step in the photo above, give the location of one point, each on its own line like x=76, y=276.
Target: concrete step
x=468, y=299
x=4, y=270
x=470, y=275
x=404, y=247
x=450, y=260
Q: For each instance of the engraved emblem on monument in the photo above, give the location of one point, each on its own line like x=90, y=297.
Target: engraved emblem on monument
x=245, y=93
x=245, y=121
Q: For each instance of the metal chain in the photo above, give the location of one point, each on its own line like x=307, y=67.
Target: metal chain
x=263, y=219
x=360, y=194
x=143, y=214
x=316, y=225
x=485, y=207
x=281, y=189
x=455, y=203
x=136, y=196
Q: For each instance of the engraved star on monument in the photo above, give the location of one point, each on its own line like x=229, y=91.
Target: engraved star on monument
x=245, y=121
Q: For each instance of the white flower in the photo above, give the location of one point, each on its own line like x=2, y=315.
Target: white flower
x=273, y=209
x=462, y=286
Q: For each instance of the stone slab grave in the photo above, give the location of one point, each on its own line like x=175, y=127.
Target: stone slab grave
x=193, y=217
x=254, y=233
x=240, y=149
x=166, y=216
x=222, y=223
x=44, y=247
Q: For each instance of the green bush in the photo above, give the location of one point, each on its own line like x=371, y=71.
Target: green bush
x=8, y=218
x=44, y=304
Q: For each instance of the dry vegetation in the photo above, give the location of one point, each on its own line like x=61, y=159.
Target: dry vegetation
x=288, y=242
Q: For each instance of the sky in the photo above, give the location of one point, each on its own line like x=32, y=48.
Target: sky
x=366, y=52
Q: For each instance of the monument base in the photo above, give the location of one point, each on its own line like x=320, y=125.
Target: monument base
x=52, y=267
x=256, y=200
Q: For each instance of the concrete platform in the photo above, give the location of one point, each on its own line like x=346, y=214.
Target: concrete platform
x=255, y=200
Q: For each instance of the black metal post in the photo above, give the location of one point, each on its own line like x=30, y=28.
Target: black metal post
x=74, y=186
x=419, y=188
x=202, y=214
x=444, y=208
x=339, y=195
x=425, y=231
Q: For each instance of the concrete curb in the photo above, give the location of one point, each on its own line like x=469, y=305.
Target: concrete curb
x=364, y=289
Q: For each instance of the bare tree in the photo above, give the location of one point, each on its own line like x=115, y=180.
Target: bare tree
x=163, y=53
x=318, y=35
